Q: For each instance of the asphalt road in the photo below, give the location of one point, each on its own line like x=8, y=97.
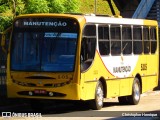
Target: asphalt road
x=147, y=109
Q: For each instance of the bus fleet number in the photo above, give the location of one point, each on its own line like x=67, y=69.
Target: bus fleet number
x=143, y=67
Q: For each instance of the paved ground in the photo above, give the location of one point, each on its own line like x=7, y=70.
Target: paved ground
x=23, y=107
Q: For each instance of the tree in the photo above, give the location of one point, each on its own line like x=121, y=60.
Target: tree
x=5, y=15
x=3, y=7
x=5, y=22
x=63, y=6
x=72, y=6
x=11, y=8
x=19, y=7
x=36, y=6
x=56, y=6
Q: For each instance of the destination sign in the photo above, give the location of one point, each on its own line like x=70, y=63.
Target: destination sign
x=62, y=35
x=54, y=24
x=46, y=23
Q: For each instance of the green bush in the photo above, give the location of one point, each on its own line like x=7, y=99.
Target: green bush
x=3, y=8
x=5, y=22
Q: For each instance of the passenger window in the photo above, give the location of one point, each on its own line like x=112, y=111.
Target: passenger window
x=137, y=40
x=153, y=40
x=146, y=44
x=126, y=40
x=115, y=40
x=88, y=46
x=104, y=44
x=89, y=30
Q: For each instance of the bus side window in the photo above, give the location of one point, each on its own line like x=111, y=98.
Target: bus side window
x=146, y=44
x=153, y=40
x=126, y=40
x=104, y=47
x=137, y=40
x=104, y=43
x=88, y=46
x=115, y=40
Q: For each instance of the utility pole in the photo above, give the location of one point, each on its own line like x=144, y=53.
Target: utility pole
x=95, y=7
x=111, y=7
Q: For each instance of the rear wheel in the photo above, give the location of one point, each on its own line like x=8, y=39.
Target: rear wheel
x=97, y=103
x=136, y=92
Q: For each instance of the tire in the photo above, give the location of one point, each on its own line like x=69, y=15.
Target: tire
x=123, y=100
x=136, y=93
x=97, y=103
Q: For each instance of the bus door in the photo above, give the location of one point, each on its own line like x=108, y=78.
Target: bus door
x=88, y=50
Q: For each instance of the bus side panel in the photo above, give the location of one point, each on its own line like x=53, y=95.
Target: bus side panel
x=113, y=88
x=126, y=87
x=146, y=68
x=141, y=71
x=93, y=74
x=152, y=71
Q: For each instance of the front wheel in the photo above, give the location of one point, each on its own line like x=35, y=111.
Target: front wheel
x=136, y=92
x=97, y=103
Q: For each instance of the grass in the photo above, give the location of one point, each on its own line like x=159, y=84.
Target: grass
x=88, y=6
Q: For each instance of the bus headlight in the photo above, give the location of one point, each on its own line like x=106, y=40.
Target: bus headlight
x=30, y=93
x=50, y=93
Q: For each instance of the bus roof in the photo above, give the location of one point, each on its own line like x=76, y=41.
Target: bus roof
x=116, y=20
x=91, y=18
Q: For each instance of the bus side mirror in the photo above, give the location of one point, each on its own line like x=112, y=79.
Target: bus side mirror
x=3, y=42
x=4, y=36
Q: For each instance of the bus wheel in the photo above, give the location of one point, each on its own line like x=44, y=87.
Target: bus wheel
x=97, y=103
x=123, y=100
x=136, y=92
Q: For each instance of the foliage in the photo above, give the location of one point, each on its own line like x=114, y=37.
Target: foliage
x=3, y=8
x=36, y=6
x=56, y=6
x=19, y=6
x=5, y=22
x=63, y=6
x=72, y=5
x=10, y=8
x=88, y=6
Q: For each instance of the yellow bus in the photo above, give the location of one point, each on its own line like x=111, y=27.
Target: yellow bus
x=82, y=57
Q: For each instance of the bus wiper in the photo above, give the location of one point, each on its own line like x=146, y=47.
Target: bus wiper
x=39, y=77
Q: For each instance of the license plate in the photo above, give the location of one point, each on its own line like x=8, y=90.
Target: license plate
x=40, y=91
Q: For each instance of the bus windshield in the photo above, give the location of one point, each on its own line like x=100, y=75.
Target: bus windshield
x=43, y=47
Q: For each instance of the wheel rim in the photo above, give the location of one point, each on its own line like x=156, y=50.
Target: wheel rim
x=99, y=95
x=136, y=92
